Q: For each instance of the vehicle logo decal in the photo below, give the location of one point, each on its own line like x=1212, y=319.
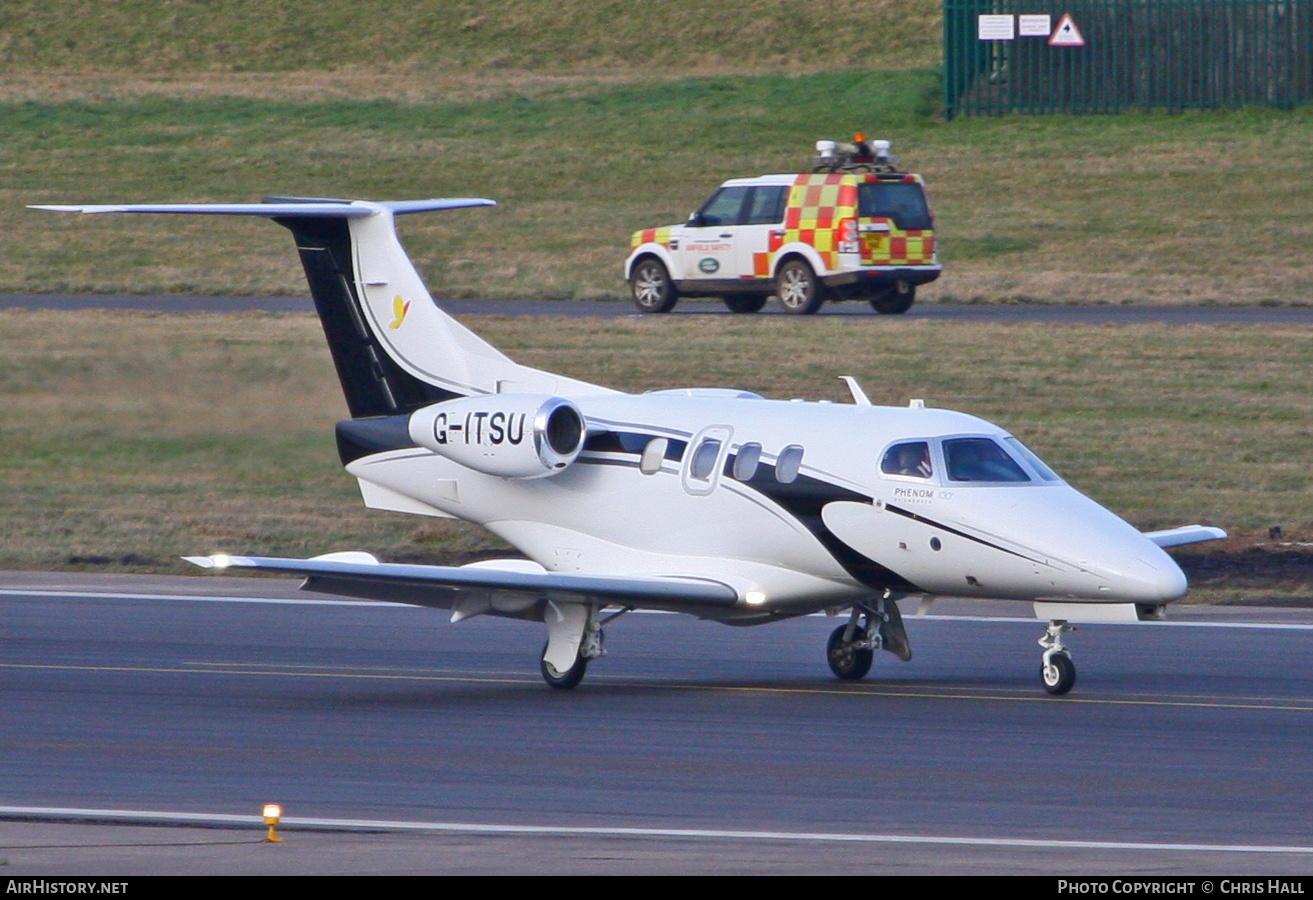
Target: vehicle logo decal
x=708, y=265
x=399, y=309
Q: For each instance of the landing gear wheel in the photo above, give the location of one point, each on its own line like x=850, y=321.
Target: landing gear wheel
x=895, y=299
x=1059, y=674
x=799, y=290
x=848, y=661
x=566, y=680
x=745, y=303
x=652, y=288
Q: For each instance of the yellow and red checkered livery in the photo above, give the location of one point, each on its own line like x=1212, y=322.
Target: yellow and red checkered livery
x=650, y=236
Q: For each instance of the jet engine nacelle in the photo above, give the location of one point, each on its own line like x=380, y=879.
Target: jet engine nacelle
x=511, y=435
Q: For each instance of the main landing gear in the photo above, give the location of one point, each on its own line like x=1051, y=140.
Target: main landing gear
x=851, y=648
x=1057, y=671
x=574, y=636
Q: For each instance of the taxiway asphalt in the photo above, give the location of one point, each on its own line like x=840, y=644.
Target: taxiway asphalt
x=692, y=747
x=1093, y=313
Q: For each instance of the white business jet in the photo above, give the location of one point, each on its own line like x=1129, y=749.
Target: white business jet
x=712, y=502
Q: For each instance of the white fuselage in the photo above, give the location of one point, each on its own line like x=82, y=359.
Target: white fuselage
x=842, y=528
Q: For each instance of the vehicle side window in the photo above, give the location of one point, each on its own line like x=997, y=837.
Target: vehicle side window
x=980, y=459
x=911, y=458
x=725, y=206
x=767, y=205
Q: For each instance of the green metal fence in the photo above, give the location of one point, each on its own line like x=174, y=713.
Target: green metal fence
x=1133, y=54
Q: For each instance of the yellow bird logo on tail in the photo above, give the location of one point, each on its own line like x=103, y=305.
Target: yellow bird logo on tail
x=399, y=309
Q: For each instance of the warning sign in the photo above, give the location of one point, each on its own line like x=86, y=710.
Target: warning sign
x=1066, y=34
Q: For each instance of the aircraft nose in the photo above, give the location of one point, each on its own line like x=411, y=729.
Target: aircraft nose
x=1158, y=580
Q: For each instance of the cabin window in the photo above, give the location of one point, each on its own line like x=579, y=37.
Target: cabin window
x=704, y=460
x=911, y=458
x=980, y=459
x=746, y=461
x=788, y=464
x=653, y=454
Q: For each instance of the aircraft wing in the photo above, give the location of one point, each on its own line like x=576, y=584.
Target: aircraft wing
x=1186, y=534
x=447, y=587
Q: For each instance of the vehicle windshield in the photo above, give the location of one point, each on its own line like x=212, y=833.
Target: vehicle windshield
x=902, y=201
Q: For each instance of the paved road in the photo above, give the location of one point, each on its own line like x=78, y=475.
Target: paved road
x=1092, y=314
x=173, y=695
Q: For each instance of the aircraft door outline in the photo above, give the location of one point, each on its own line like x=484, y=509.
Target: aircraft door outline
x=704, y=459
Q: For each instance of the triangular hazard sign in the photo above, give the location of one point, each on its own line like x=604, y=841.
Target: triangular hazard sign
x=1066, y=34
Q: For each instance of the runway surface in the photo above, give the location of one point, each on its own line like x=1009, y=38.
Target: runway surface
x=692, y=747
x=1093, y=313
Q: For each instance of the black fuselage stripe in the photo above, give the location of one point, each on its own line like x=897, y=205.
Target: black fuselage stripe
x=803, y=500
x=916, y=517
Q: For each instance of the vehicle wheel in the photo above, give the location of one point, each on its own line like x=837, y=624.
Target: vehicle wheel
x=563, y=680
x=745, y=303
x=652, y=288
x=846, y=661
x=800, y=291
x=1059, y=675
x=894, y=300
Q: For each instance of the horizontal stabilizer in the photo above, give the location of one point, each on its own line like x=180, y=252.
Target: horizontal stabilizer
x=434, y=585
x=283, y=208
x=1186, y=534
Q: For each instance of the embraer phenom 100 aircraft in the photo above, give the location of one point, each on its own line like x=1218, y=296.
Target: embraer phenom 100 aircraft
x=712, y=502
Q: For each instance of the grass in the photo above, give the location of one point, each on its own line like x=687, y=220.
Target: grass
x=133, y=439
x=1148, y=207
x=488, y=36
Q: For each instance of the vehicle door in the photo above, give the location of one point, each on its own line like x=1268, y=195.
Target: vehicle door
x=894, y=223
x=763, y=213
x=706, y=247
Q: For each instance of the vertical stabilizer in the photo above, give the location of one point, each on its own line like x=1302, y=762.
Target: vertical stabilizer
x=395, y=350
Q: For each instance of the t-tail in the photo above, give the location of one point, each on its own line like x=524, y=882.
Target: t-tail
x=395, y=350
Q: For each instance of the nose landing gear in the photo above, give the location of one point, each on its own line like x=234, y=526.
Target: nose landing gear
x=1057, y=672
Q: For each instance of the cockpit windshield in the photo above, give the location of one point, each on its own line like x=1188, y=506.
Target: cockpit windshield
x=911, y=458
x=980, y=459
x=1037, y=464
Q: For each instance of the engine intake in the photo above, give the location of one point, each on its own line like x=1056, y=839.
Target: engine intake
x=511, y=435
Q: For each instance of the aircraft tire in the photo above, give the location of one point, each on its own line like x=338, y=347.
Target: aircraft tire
x=652, y=288
x=745, y=303
x=563, y=681
x=799, y=290
x=1059, y=675
x=848, y=663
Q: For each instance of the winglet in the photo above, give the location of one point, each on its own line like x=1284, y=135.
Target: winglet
x=1186, y=534
x=859, y=395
